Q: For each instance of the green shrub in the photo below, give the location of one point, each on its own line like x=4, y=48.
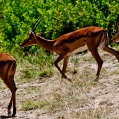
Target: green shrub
x=57, y=17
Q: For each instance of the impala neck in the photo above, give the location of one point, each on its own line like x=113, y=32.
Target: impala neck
x=47, y=44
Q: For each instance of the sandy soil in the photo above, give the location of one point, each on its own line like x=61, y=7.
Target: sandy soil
x=103, y=95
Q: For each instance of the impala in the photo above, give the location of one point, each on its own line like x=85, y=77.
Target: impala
x=7, y=71
x=116, y=36
x=79, y=40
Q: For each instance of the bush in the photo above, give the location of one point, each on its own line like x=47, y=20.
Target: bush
x=56, y=18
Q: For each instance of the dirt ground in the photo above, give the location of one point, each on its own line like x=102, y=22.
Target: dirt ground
x=94, y=100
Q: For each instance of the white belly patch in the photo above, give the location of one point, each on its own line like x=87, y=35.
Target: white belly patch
x=80, y=49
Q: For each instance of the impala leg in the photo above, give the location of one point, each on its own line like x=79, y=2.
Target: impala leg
x=65, y=64
x=62, y=56
x=99, y=61
x=112, y=51
x=11, y=85
x=13, y=99
x=9, y=107
x=56, y=64
x=14, y=102
x=13, y=91
x=66, y=59
x=10, y=103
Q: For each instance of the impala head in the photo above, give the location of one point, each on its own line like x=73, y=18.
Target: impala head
x=116, y=36
x=30, y=40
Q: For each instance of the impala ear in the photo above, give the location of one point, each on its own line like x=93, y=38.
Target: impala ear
x=40, y=34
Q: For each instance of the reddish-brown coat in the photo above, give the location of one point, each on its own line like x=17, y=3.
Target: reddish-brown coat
x=5, y=57
x=82, y=32
x=116, y=36
x=7, y=71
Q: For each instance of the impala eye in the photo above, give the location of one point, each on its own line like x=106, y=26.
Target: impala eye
x=30, y=37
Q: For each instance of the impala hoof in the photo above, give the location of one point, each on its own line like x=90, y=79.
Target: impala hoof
x=9, y=114
x=14, y=112
x=96, y=79
x=69, y=80
x=13, y=115
x=65, y=77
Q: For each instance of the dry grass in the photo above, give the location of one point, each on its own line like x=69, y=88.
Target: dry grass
x=47, y=97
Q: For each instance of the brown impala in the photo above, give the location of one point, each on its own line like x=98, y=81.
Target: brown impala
x=7, y=71
x=116, y=36
x=79, y=40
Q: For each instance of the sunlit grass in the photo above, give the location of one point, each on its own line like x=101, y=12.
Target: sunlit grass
x=29, y=105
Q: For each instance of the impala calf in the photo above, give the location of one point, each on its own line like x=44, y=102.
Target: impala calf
x=7, y=71
x=79, y=40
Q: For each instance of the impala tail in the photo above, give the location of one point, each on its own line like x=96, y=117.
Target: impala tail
x=11, y=68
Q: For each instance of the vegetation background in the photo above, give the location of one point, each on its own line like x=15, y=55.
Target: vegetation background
x=57, y=17
x=34, y=65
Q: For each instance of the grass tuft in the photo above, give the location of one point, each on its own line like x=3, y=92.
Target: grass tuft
x=29, y=105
